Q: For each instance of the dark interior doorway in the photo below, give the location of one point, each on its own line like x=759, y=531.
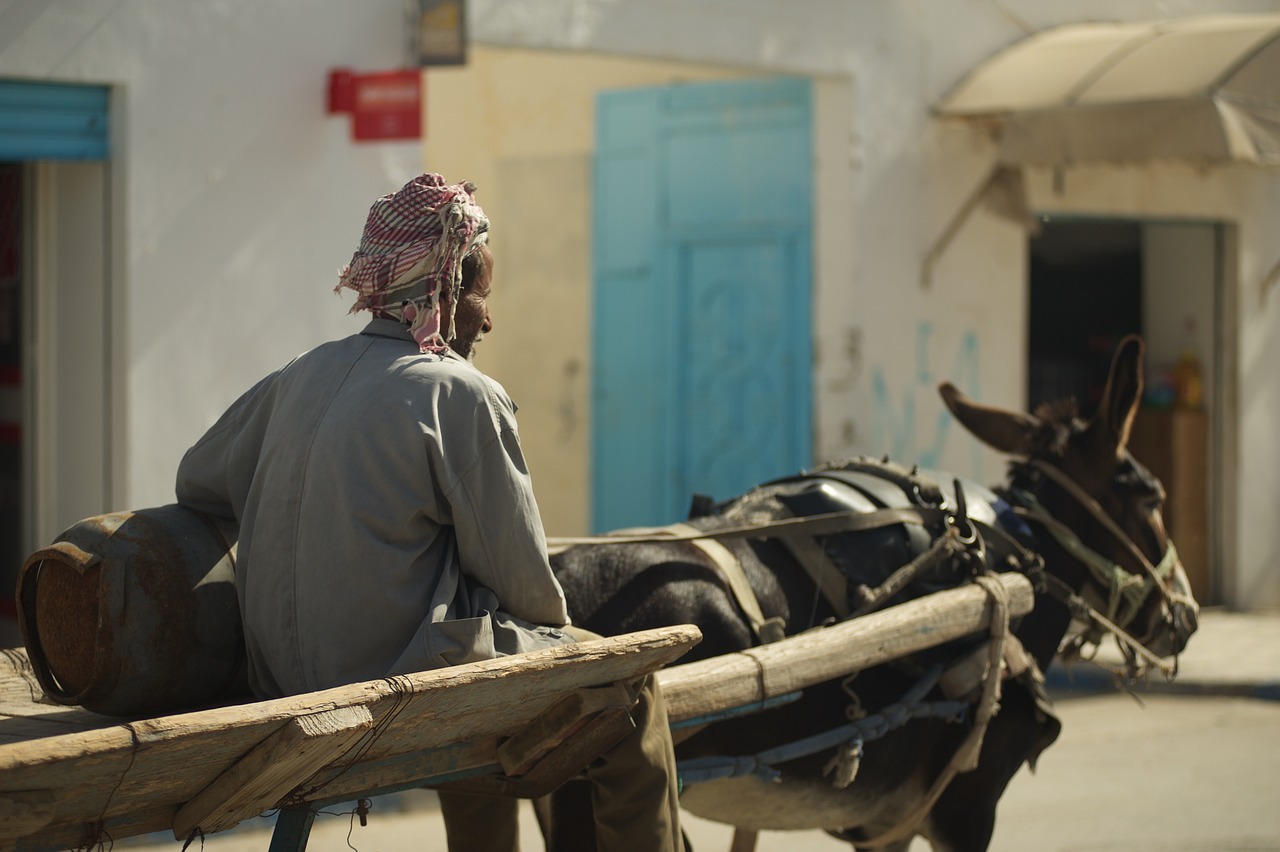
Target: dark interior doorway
x=1086, y=294
x=1093, y=281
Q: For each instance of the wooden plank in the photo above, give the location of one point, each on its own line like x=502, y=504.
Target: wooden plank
x=422, y=768
x=114, y=774
x=24, y=712
x=475, y=704
x=272, y=769
x=24, y=812
x=16, y=729
x=721, y=683
x=805, y=660
x=58, y=837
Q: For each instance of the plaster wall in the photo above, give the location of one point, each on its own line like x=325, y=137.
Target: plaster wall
x=235, y=199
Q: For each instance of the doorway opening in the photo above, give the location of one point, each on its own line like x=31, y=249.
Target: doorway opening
x=1086, y=294
x=1092, y=281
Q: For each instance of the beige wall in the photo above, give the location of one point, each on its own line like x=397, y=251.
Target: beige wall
x=521, y=125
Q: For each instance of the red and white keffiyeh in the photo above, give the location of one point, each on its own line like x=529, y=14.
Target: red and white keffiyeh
x=411, y=254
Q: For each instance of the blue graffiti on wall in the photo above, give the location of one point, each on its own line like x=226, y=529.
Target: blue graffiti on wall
x=894, y=428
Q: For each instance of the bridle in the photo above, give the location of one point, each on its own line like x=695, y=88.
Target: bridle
x=1124, y=590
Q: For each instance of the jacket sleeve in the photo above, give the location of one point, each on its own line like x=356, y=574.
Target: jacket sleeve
x=215, y=474
x=501, y=542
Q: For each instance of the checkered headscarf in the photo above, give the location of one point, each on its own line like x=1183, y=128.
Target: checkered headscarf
x=411, y=254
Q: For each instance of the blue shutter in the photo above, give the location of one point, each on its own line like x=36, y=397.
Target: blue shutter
x=50, y=121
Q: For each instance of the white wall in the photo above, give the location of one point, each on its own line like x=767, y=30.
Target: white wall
x=237, y=199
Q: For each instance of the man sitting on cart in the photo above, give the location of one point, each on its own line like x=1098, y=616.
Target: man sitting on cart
x=387, y=517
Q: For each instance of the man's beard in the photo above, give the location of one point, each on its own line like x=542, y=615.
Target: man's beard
x=467, y=349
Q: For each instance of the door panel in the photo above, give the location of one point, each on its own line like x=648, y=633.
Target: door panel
x=701, y=343
x=739, y=382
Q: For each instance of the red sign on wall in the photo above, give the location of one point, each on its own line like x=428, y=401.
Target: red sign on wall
x=383, y=104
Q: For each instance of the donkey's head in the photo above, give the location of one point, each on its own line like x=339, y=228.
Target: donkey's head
x=1094, y=504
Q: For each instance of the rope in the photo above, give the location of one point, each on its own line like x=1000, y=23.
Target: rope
x=1082, y=609
x=1121, y=585
x=944, y=547
x=1091, y=505
x=402, y=690
x=100, y=836
x=910, y=706
x=965, y=758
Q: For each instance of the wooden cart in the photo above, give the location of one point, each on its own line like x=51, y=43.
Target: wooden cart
x=516, y=726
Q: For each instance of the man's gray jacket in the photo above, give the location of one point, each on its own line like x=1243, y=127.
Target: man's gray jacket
x=387, y=519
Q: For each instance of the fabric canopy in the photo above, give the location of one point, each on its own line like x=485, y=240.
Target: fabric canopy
x=1205, y=89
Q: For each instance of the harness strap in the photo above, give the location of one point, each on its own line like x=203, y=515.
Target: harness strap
x=911, y=706
x=796, y=534
x=1124, y=587
x=966, y=756
x=766, y=629
x=1091, y=505
x=824, y=573
x=828, y=523
x=1081, y=608
x=963, y=679
x=943, y=548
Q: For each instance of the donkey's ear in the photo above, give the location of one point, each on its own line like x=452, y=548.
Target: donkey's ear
x=1121, y=397
x=1001, y=429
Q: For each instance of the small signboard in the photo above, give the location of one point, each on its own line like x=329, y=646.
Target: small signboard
x=386, y=105
x=442, y=32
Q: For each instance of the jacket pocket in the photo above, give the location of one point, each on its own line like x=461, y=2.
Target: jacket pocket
x=458, y=641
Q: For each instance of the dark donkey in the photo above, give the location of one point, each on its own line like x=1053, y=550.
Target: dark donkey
x=1077, y=513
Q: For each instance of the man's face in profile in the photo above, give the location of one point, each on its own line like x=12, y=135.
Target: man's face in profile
x=471, y=321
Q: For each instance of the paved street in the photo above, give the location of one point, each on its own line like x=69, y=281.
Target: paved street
x=1185, y=773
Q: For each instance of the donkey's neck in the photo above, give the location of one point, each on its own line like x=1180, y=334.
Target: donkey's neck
x=1042, y=630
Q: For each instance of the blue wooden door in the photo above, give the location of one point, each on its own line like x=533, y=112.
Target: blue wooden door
x=701, y=339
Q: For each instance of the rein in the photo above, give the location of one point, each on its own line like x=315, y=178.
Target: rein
x=1124, y=587
x=1086, y=501
x=1081, y=609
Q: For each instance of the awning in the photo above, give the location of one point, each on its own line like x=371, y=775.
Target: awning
x=1205, y=89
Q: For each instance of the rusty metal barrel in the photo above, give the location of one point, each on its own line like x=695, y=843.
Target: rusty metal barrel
x=135, y=613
